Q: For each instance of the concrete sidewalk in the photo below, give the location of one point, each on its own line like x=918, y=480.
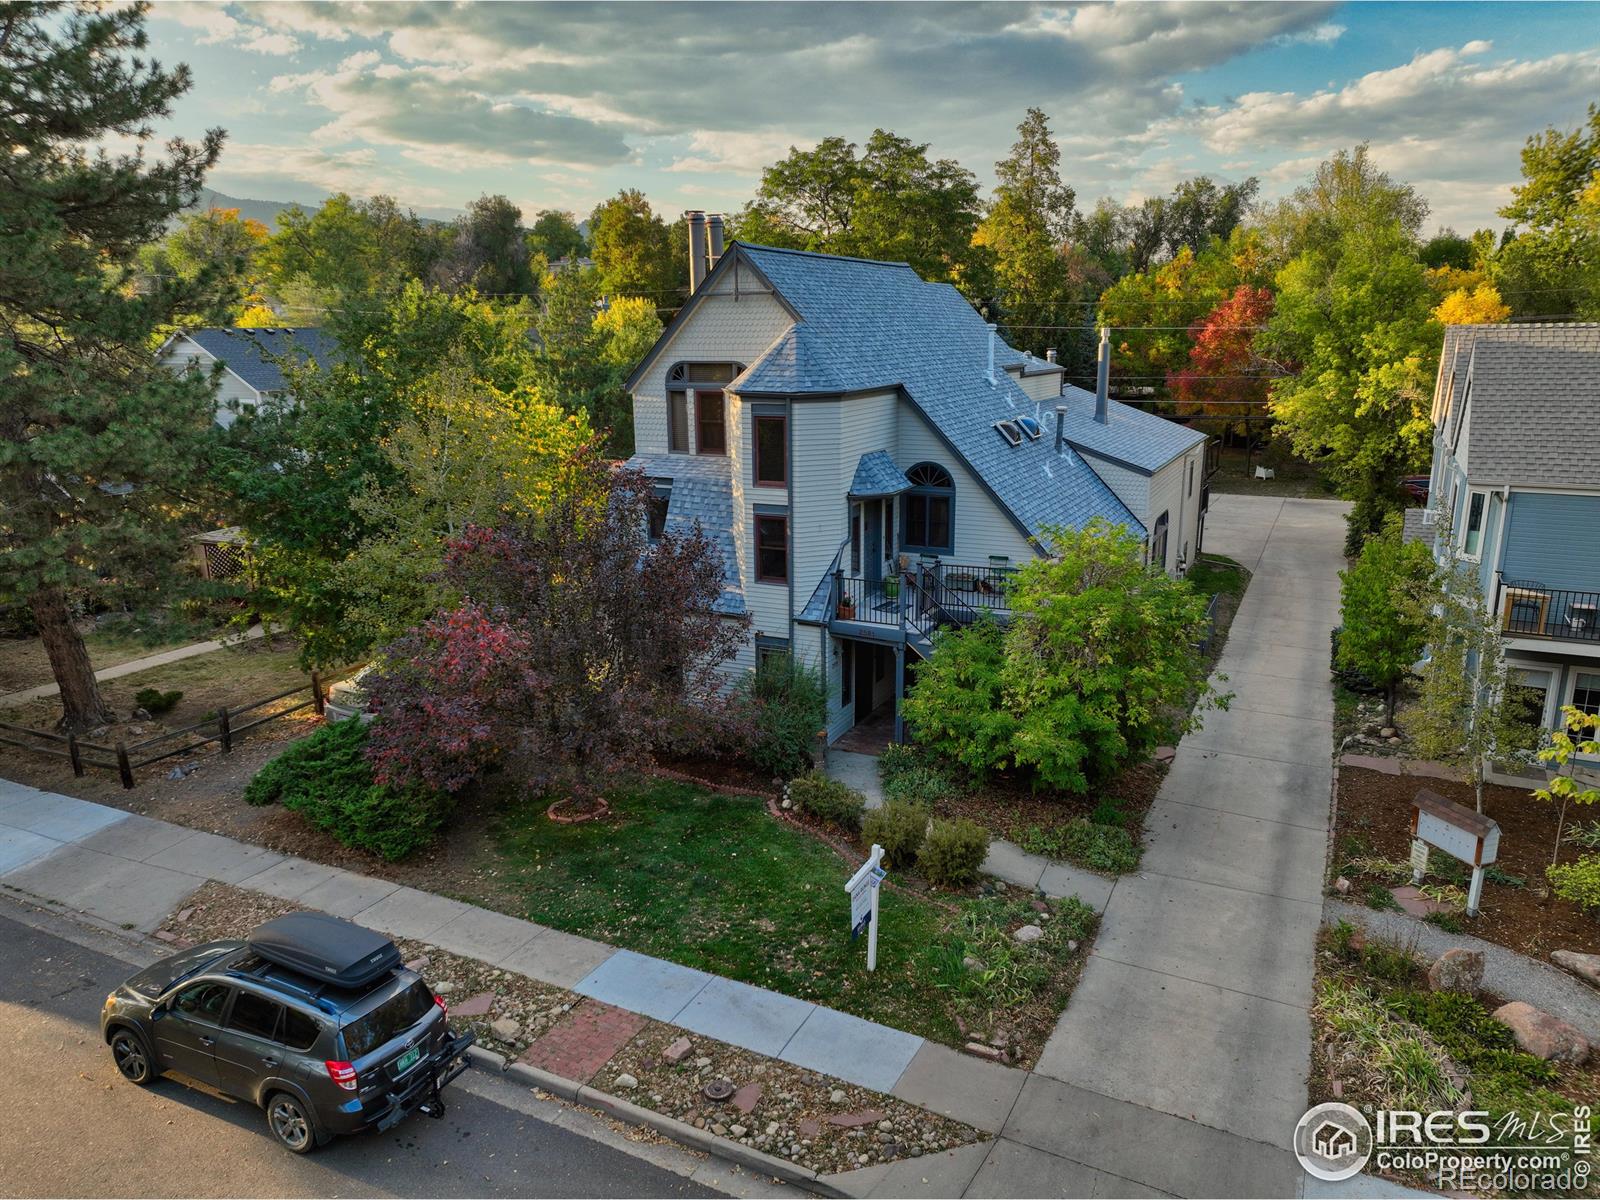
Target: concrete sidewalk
x=133, y=667
x=131, y=871
x=1180, y=1065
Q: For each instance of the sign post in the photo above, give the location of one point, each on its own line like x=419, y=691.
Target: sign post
x=1460, y=832
x=863, y=889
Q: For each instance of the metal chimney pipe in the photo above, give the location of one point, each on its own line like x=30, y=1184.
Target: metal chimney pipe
x=714, y=228
x=1050, y=356
x=992, y=379
x=1102, y=383
x=697, y=250
x=1061, y=427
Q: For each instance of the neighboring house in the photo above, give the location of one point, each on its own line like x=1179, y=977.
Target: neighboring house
x=874, y=461
x=250, y=358
x=1516, y=465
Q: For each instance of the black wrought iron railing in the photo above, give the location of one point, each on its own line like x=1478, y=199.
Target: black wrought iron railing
x=1527, y=608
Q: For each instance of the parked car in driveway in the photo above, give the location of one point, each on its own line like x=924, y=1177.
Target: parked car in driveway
x=311, y=1018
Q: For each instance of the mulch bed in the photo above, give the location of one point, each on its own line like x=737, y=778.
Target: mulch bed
x=1007, y=806
x=1375, y=810
x=785, y=1111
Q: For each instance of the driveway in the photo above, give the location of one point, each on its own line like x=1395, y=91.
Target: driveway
x=1181, y=1063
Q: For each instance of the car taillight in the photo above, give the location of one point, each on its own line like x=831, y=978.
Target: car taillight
x=342, y=1073
x=439, y=1000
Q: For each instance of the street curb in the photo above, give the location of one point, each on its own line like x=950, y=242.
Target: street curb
x=747, y=1157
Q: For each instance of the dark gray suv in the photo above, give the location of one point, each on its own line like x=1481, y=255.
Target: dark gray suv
x=342, y=1040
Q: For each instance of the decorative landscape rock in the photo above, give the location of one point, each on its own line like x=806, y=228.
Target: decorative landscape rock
x=627, y=1082
x=979, y=1050
x=474, y=1006
x=1542, y=1035
x=1028, y=934
x=747, y=1097
x=506, y=1029
x=1585, y=966
x=1457, y=971
x=678, y=1051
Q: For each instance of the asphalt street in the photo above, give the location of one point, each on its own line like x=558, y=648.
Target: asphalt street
x=74, y=1127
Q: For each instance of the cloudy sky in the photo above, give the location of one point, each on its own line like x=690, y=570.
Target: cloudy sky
x=560, y=105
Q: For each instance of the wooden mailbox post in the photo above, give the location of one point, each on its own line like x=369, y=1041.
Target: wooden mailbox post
x=1460, y=832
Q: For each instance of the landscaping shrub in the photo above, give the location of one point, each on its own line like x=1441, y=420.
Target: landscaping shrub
x=828, y=800
x=785, y=706
x=953, y=851
x=1578, y=881
x=922, y=784
x=899, y=827
x=1085, y=844
x=1008, y=972
x=155, y=702
x=327, y=780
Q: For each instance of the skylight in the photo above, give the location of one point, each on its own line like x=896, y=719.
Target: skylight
x=1030, y=427
x=1009, y=431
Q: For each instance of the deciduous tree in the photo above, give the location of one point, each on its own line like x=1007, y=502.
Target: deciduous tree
x=99, y=445
x=632, y=249
x=578, y=648
x=1384, y=624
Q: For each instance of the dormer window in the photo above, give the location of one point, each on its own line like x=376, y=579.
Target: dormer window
x=1030, y=427
x=697, y=389
x=1010, y=431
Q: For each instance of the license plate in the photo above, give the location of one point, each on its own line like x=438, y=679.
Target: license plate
x=407, y=1060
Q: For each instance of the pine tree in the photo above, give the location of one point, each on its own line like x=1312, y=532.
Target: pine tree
x=98, y=443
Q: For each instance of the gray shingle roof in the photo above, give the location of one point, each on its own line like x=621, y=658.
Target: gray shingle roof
x=702, y=494
x=866, y=325
x=876, y=475
x=1130, y=435
x=250, y=353
x=1534, y=404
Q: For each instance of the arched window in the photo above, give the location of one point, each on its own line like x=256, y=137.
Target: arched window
x=929, y=510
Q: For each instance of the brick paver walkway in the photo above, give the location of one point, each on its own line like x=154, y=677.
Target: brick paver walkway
x=585, y=1040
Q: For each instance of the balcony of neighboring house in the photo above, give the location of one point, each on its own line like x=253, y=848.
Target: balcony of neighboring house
x=1529, y=609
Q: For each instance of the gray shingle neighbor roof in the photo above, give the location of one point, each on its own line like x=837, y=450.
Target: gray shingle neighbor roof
x=866, y=325
x=702, y=494
x=1139, y=439
x=250, y=353
x=1534, y=404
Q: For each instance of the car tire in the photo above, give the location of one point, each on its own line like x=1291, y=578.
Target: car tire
x=132, y=1059
x=290, y=1122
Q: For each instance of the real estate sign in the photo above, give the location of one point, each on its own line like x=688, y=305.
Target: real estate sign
x=863, y=889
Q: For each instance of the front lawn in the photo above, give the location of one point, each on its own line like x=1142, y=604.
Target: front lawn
x=715, y=882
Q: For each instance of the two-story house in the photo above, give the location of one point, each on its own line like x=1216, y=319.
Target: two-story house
x=250, y=359
x=874, y=460
x=1516, y=466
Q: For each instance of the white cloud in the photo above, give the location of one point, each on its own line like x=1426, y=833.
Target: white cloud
x=216, y=26
x=714, y=150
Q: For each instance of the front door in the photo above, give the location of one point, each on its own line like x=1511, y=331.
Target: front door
x=186, y=1032
x=872, y=540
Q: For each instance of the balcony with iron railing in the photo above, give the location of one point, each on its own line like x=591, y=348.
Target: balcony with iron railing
x=921, y=596
x=1527, y=608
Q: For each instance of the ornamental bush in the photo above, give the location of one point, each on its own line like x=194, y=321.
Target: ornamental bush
x=326, y=779
x=1578, y=881
x=784, y=707
x=899, y=827
x=828, y=800
x=953, y=851
x=155, y=702
x=910, y=775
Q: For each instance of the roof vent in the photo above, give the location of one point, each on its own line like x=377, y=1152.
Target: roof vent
x=1031, y=427
x=1050, y=356
x=1010, y=431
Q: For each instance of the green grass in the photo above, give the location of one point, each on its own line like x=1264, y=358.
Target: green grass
x=1216, y=573
x=713, y=882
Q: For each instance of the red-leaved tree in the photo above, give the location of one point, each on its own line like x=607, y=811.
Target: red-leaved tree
x=578, y=649
x=1225, y=379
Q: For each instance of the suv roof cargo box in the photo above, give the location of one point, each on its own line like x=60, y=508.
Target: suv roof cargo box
x=337, y=952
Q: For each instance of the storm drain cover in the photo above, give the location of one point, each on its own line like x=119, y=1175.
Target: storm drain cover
x=718, y=1089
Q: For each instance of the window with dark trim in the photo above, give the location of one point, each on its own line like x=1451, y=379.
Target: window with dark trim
x=771, y=654
x=710, y=423
x=928, y=507
x=656, y=506
x=1158, y=542
x=772, y=549
x=682, y=380
x=772, y=445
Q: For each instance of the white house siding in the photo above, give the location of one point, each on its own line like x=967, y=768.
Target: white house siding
x=232, y=392
x=1044, y=386
x=1166, y=496
x=721, y=329
x=1189, y=472
x=982, y=527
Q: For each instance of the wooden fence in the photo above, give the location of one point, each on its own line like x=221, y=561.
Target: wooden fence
x=124, y=759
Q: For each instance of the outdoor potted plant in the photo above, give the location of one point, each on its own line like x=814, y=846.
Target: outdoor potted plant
x=891, y=587
x=847, y=607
